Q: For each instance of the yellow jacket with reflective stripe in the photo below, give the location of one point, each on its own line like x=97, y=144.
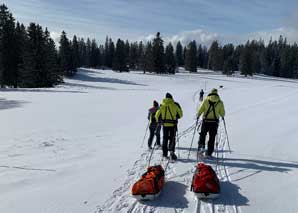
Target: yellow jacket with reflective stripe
x=169, y=112
x=219, y=107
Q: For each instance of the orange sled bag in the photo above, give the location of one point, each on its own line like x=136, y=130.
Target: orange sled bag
x=205, y=183
x=150, y=184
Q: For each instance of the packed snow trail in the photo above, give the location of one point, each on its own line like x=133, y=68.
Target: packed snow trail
x=124, y=202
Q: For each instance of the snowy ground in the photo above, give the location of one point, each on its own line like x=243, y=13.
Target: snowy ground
x=77, y=148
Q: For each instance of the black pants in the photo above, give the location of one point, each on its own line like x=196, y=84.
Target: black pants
x=169, y=137
x=211, y=128
x=152, y=132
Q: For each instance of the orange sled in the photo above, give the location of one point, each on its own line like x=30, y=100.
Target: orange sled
x=205, y=183
x=149, y=186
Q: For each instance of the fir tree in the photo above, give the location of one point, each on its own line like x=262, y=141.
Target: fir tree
x=170, y=62
x=65, y=54
x=119, y=62
x=75, y=53
x=148, y=62
x=158, y=54
x=215, y=57
x=8, y=49
x=179, y=54
x=191, y=57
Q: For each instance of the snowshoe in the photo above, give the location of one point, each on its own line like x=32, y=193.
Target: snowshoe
x=205, y=183
x=149, y=186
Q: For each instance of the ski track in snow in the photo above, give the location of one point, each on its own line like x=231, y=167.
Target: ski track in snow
x=122, y=201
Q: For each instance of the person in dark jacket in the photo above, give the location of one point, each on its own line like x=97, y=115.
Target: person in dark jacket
x=154, y=126
x=201, y=95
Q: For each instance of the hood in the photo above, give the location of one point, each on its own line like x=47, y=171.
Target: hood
x=167, y=101
x=213, y=97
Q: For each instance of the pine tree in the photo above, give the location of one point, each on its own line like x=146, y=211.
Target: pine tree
x=75, y=53
x=228, y=51
x=8, y=49
x=141, y=56
x=158, y=54
x=133, y=56
x=21, y=39
x=170, y=62
x=82, y=52
x=191, y=57
x=94, y=54
x=215, y=57
x=179, y=54
x=246, y=60
x=65, y=55
x=119, y=62
x=148, y=62
x=53, y=74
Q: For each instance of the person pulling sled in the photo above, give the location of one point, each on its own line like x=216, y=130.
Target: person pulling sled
x=154, y=125
x=169, y=112
x=212, y=109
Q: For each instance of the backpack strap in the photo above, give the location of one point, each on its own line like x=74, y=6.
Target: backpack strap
x=212, y=106
x=172, y=121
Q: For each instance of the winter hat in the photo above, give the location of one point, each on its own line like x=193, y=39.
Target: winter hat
x=214, y=91
x=155, y=103
x=168, y=95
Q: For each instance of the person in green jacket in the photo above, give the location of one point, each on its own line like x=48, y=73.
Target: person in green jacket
x=212, y=109
x=169, y=112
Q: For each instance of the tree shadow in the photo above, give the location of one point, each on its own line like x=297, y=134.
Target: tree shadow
x=172, y=196
x=261, y=165
x=85, y=86
x=9, y=104
x=85, y=76
x=255, y=166
x=46, y=90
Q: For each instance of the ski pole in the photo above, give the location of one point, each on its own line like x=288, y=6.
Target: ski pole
x=152, y=150
x=178, y=147
x=193, y=136
x=145, y=134
x=227, y=134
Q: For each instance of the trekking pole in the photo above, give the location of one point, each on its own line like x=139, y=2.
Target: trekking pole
x=193, y=136
x=178, y=147
x=145, y=134
x=227, y=134
x=152, y=150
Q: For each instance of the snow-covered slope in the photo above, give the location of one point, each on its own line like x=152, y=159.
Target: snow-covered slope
x=77, y=147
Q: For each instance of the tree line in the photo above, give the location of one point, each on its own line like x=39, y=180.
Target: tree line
x=29, y=57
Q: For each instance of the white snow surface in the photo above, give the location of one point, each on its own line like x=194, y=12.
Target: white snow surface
x=77, y=148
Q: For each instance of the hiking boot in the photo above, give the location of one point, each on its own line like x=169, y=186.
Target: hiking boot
x=201, y=148
x=165, y=157
x=173, y=156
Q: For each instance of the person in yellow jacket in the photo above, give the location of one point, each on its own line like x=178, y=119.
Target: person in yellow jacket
x=169, y=112
x=212, y=109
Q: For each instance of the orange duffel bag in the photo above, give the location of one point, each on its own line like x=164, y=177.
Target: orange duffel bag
x=150, y=184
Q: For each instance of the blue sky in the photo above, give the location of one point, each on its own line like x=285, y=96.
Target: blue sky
x=226, y=20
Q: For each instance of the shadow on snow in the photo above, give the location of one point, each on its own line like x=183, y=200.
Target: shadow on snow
x=9, y=104
x=85, y=76
x=172, y=196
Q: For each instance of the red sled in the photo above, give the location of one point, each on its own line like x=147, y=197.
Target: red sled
x=205, y=183
x=149, y=186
